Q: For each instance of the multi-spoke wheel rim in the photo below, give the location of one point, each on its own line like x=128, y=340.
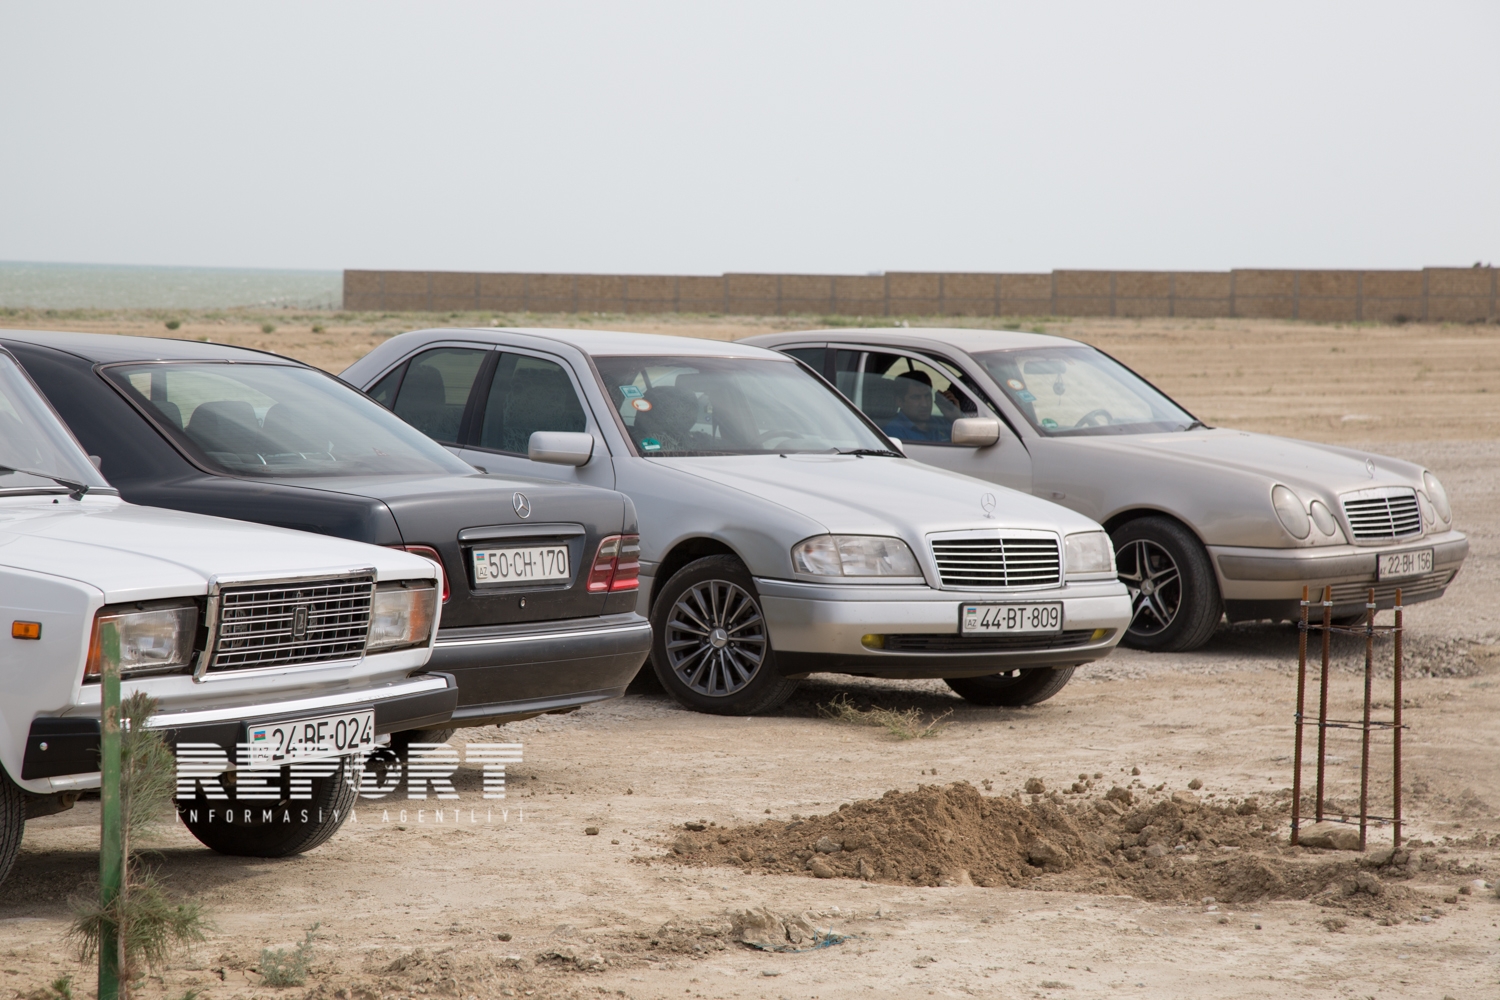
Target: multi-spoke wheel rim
x=716, y=638
x=1154, y=581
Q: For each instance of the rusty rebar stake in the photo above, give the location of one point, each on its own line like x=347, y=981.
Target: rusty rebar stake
x=1301, y=701
x=1323, y=696
x=1364, y=742
x=1396, y=731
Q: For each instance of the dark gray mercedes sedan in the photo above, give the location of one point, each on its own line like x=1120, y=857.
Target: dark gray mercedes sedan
x=539, y=577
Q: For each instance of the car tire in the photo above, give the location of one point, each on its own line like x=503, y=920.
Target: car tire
x=1013, y=689
x=1174, y=595
x=401, y=742
x=710, y=647
x=12, y=823
x=296, y=825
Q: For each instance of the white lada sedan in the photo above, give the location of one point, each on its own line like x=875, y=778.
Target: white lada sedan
x=1207, y=522
x=306, y=648
x=781, y=532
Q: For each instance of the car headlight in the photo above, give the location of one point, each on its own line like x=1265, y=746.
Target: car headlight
x=1088, y=552
x=1438, y=496
x=854, y=555
x=152, y=640
x=1323, y=517
x=1290, y=511
x=402, y=615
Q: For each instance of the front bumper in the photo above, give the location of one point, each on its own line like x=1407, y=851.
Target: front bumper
x=70, y=759
x=822, y=627
x=512, y=672
x=1267, y=583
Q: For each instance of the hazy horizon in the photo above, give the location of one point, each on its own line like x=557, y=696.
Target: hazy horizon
x=676, y=138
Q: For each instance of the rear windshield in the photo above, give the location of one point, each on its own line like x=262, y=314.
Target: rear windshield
x=279, y=421
x=730, y=406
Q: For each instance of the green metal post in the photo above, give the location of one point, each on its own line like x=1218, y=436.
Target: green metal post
x=111, y=832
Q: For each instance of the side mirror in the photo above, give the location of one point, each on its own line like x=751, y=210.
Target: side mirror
x=976, y=432
x=899, y=446
x=560, y=447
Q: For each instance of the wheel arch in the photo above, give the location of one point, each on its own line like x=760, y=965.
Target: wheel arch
x=1119, y=519
x=684, y=552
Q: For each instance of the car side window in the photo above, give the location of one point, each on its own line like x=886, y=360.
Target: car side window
x=527, y=395
x=436, y=389
x=907, y=398
x=384, y=391
x=810, y=356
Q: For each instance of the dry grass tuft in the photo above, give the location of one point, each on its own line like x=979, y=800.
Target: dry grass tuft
x=903, y=724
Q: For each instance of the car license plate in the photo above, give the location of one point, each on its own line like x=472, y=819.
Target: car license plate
x=532, y=564
x=1011, y=618
x=275, y=743
x=1394, y=565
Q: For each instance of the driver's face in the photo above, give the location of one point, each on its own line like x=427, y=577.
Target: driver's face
x=916, y=402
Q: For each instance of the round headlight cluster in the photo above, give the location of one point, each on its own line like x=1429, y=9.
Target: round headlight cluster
x=1323, y=517
x=1438, y=496
x=1290, y=512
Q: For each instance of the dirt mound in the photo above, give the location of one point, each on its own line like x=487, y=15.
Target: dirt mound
x=1171, y=848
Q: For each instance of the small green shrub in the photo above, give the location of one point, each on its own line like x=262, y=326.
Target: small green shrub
x=318, y=328
x=61, y=989
x=278, y=968
x=267, y=328
x=173, y=324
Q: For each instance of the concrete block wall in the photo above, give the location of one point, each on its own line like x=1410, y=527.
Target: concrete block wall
x=1439, y=294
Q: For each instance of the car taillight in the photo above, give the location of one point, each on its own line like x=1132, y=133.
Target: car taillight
x=617, y=565
x=428, y=552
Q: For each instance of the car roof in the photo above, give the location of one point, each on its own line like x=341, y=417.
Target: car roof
x=609, y=342
x=965, y=339
x=106, y=348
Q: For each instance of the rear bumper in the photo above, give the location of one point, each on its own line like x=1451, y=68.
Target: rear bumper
x=1267, y=583
x=518, y=671
x=71, y=757
x=821, y=627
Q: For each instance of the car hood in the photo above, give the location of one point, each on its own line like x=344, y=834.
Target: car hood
x=1307, y=464
x=136, y=553
x=873, y=495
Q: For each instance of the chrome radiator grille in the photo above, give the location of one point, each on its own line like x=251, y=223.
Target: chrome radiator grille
x=998, y=562
x=304, y=622
x=1382, y=514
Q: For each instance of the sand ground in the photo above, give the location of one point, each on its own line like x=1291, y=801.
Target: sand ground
x=522, y=902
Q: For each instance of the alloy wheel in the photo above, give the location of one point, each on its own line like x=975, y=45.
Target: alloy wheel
x=716, y=638
x=1154, y=582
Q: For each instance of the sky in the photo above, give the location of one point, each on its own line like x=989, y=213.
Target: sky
x=699, y=138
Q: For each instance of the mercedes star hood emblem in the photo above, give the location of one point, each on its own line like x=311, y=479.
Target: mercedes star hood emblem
x=522, y=505
x=987, y=504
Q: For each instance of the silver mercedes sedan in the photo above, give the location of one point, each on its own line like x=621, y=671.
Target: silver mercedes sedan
x=1206, y=522
x=781, y=532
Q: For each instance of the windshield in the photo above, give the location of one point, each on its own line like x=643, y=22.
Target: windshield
x=278, y=421
x=1078, y=390
x=35, y=446
x=724, y=406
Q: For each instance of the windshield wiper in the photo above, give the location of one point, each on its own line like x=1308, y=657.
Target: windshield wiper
x=878, y=452
x=75, y=490
x=1197, y=424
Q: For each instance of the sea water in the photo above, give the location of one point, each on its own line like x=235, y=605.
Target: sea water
x=125, y=286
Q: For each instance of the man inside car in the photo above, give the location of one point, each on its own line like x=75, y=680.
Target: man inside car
x=913, y=420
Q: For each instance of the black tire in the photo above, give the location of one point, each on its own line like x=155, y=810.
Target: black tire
x=12, y=823
x=1013, y=689
x=710, y=647
x=401, y=742
x=273, y=830
x=1173, y=592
